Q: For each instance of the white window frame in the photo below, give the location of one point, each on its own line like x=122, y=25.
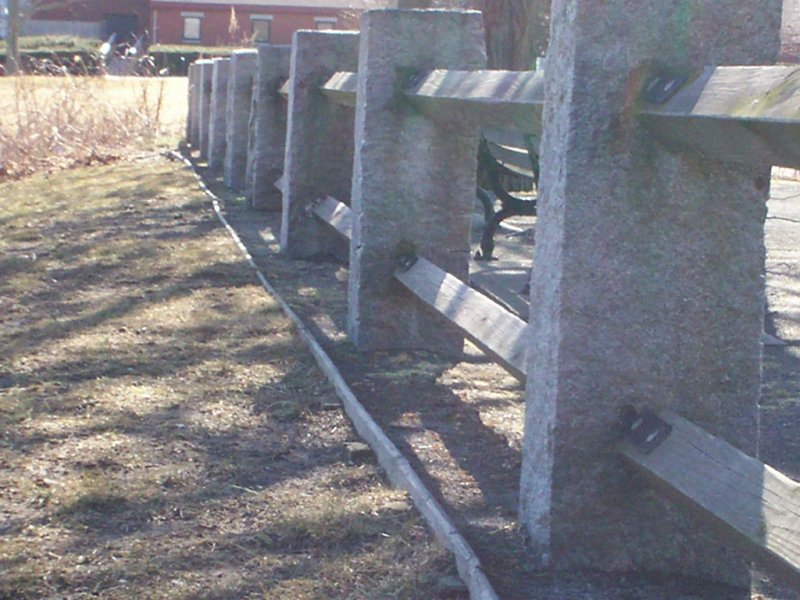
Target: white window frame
x=198, y=16
x=255, y=18
x=329, y=21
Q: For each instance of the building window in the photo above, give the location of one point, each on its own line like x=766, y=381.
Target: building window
x=260, y=26
x=325, y=22
x=191, y=26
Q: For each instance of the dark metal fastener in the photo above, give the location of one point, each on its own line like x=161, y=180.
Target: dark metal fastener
x=313, y=205
x=663, y=87
x=413, y=80
x=405, y=262
x=646, y=430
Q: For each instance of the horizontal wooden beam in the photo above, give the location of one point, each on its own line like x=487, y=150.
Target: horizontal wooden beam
x=499, y=99
x=499, y=333
x=758, y=504
x=495, y=330
x=748, y=115
x=285, y=89
x=341, y=88
x=336, y=214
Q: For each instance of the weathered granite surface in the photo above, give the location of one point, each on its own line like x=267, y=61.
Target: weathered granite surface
x=413, y=180
x=190, y=103
x=268, y=132
x=219, y=108
x=194, y=104
x=240, y=92
x=647, y=287
x=204, y=105
x=319, y=141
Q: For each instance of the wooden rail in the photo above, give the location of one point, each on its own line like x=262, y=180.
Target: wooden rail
x=336, y=214
x=498, y=99
x=758, y=504
x=498, y=332
x=740, y=114
x=495, y=330
x=341, y=88
x=285, y=89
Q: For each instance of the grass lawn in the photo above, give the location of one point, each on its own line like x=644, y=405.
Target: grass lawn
x=50, y=123
x=161, y=434
x=118, y=92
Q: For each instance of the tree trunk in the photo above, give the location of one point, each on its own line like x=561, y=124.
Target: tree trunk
x=12, y=39
x=516, y=32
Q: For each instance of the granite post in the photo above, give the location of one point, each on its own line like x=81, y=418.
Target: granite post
x=251, y=141
x=190, y=102
x=268, y=132
x=194, y=138
x=319, y=141
x=219, y=106
x=204, y=105
x=240, y=92
x=647, y=287
x=413, y=179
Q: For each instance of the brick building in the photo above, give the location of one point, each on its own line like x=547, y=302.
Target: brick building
x=212, y=23
x=206, y=22
x=92, y=19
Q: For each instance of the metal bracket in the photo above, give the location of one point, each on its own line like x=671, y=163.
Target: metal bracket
x=646, y=430
x=312, y=206
x=413, y=79
x=663, y=87
x=405, y=262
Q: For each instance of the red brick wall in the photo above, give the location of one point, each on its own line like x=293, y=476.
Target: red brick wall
x=94, y=11
x=168, y=22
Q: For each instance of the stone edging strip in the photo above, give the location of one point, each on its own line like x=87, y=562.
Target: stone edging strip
x=398, y=469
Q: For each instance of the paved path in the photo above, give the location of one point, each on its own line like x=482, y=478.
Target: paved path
x=504, y=278
x=783, y=261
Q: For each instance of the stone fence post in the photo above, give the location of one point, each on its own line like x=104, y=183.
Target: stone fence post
x=204, y=105
x=413, y=179
x=268, y=134
x=319, y=140
x=219, y=107
x=195, y=76
x=240, y=92
x=647, y=287
x=190, y=102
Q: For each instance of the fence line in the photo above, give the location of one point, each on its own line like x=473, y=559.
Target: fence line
x=647, y=289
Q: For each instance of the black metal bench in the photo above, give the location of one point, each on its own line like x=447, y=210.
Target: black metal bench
x=507, y=162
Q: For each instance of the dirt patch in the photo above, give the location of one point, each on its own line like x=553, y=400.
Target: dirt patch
x=161, y=429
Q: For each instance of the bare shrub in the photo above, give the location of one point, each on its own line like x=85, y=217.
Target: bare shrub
x=54, y=122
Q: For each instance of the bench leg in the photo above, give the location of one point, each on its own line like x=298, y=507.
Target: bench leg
x=488, y=203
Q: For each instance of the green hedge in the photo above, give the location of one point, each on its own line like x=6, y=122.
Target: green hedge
x=54, y=43
x=51, y=53
x=175, y=59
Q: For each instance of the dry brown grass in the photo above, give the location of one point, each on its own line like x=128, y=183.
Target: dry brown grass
x=54, y=122
x=160, y=426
